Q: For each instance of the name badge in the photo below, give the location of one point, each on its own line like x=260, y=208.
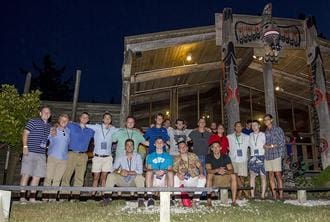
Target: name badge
x=256, y=152
x=103, y=145
x=239, y=153
x=43, y=145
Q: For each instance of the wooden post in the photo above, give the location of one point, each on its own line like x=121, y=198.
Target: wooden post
x=198, y=105
x=164, y=208
x=76, y=95
x=126, y=87
x=27, y=83
x=293, y=116
x=224, y=196
x=251, y=104
x=269, y=90
x=319, y=92
x=231, y=93
x=174, y=104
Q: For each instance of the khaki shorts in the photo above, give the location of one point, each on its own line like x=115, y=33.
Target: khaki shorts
x=240, y=169
x=101, y=164
x=221, y=181
x=274, y=165
x=34, y=164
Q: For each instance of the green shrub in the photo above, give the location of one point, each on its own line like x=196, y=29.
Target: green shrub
x=323, y=179
x=15, y=111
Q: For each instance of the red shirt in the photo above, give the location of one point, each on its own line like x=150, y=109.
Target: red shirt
x=223, y=142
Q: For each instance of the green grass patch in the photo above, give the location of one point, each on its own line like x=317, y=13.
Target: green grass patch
x=92, y=211
x=323, y=179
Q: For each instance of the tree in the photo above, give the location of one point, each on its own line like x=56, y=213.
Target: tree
x=50, y=81
x=15, y=111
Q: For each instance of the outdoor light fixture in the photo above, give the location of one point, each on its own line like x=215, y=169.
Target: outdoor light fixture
x=254, y=57
x=167, y=113
x=277, y=88
x=260, y=119
x=260, y=58
x=189, y=57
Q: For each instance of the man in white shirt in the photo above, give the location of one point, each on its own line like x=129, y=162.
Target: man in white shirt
x=102, y=160
x=176, y=135
x=238, y=147
x=256, y=162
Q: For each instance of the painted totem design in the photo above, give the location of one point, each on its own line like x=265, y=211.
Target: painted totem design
x=319, y=91
x=231, y=93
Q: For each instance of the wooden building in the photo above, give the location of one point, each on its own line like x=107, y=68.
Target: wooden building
x=236, y=64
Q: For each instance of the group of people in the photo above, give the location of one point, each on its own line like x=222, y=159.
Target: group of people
x=163, y=156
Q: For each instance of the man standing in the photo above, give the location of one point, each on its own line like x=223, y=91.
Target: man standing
x=34, y=141
x=220, y=172
x=127, y=172
x=213, y=127
x=102, y=160
x=80, y=137
x=176, y=135
x=57, y=155
x=257, y=160
x=188, y=169
x=274, y=151
x=200, y=138
x=158, y=131
x=126, y=133
x=159, y=169
x=238, y=148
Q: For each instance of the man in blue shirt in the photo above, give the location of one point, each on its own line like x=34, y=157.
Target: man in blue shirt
x=80, y=137
x=34, y=141
x=159, y=169
x=155, y=132
x=102, y=160
x=57, y=155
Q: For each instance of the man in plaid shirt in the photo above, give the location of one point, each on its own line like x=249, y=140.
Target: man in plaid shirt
x=274, y=151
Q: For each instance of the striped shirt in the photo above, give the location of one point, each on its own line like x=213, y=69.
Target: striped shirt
x=38, y=135
x=275, y=136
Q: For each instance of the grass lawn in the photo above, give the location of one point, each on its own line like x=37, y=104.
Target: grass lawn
x=120, y=211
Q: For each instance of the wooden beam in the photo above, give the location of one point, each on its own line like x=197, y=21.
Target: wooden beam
x=174, y=71
x=169, y=42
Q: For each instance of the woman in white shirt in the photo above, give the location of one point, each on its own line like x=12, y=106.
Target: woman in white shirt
x=256, y=162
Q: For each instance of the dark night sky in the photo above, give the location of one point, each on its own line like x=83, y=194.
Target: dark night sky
x=89, y=34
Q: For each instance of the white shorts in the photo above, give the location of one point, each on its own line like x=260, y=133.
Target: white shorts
x=101, y=164
x=160, y=182
x=240, y=168
x=274, y=165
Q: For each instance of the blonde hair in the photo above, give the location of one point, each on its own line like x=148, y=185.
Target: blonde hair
x=63, y=115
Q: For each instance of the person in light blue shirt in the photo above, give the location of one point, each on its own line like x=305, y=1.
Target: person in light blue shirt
x=57, y=155
x=127, y=172
x=159, y=169
x=102, y=160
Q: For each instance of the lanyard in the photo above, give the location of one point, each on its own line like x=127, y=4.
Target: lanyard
x=239, y=144
x=129, y=164
x=129, y=137
x=105, y=133
x=255, y=140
